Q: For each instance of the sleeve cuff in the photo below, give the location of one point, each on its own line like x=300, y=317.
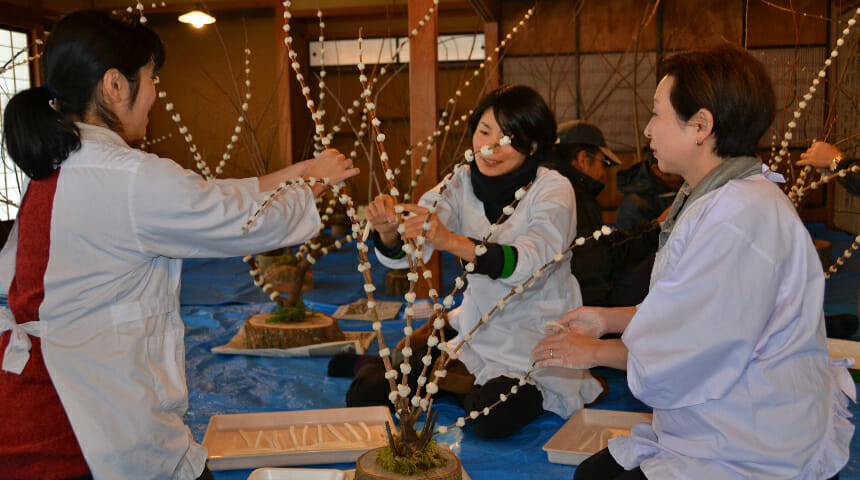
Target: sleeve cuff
x=394, y=252
x=499, y=261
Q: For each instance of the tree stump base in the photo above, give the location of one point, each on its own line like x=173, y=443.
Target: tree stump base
x=366, y=468
x=315, y=329
x=340, y=225
x=282, y=277
x=396, y=282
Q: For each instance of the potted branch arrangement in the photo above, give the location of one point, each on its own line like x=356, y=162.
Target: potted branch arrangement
x=292, y=324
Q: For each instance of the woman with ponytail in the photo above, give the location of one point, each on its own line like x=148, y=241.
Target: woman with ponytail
x=92, y=379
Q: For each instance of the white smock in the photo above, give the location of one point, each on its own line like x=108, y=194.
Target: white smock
x=729, y=348
x=110, y=329
x=543, y=224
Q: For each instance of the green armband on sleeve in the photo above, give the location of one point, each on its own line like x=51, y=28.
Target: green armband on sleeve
x=510, y=264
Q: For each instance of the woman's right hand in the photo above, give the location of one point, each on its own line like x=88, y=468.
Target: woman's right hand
x=380, y=213
x=588, y=321
x=820, y=155
x=331, y=164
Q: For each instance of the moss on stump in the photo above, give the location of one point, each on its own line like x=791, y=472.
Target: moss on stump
x=432, y=463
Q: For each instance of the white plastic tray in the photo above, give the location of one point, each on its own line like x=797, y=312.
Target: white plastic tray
x=587, y=432
x=844, y=348
x=252, y=440
x=297, y=474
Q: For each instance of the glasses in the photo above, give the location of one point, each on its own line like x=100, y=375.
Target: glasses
x=604, y=160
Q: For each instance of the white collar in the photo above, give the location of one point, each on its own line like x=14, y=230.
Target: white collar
x=100, y=134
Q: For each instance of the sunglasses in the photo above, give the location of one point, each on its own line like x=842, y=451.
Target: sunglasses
x=604, y=160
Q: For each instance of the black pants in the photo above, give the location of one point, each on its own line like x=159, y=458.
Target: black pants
x=369, y=387
x=206, y=475
x=601, y=466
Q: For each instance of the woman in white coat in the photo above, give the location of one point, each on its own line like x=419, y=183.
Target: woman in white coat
x=728, y=347
x=93, y=375
x=542, y=225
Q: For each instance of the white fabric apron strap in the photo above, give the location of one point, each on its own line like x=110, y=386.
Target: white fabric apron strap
x=774, y=177
x=17, y=353
x=839, y=368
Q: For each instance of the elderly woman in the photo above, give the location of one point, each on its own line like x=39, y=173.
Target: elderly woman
x=728, y=347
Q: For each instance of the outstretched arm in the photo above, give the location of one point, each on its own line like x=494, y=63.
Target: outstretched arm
x=329, y=164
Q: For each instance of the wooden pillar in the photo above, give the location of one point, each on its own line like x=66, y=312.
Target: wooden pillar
x=491, y=41
x=285, y=86
x=423, y=110
x=490, y=11
x=37, y=32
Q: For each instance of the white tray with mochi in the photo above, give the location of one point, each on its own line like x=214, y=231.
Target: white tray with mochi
x=299, y=437
x=588, y=431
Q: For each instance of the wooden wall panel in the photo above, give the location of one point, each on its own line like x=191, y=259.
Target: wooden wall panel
x=702, y=24
x=198, y=78
x=774, y=24
x=604, y=26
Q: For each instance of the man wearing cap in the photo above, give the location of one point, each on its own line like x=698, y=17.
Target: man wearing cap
x=584, y=160
x=648, y=191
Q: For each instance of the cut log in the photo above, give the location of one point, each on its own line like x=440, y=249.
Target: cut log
x=282, y=277
x=396, y=282
x=366, y=468
x=339, y=225
x=315, y=329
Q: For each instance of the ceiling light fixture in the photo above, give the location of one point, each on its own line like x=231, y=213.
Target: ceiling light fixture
x=197, y=17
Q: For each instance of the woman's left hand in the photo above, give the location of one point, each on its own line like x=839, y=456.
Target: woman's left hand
x=567, y=349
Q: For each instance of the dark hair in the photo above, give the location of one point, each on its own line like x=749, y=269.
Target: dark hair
x=523, y=115
x=732, y=85
x=83, y=46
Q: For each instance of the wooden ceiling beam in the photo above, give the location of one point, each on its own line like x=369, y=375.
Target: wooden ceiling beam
x=26, y=16
x=488, y=10
x=299, y=8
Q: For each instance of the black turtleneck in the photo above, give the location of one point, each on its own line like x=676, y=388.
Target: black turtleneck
x=498, y=192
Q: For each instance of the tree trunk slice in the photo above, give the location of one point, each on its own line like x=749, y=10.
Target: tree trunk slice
x=282, y=277
x=366, y=468
x=318, y=328
x=264, y=261
x=396, y=282
x=339, y=225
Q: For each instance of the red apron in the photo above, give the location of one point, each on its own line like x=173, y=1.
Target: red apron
x=37, y=439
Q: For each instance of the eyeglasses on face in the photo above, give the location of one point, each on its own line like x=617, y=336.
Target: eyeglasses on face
x=604, y=160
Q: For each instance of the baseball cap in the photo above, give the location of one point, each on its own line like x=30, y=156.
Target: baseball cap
x=582, y=132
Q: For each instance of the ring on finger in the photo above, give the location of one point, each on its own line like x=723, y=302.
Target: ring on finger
x=550, y=353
